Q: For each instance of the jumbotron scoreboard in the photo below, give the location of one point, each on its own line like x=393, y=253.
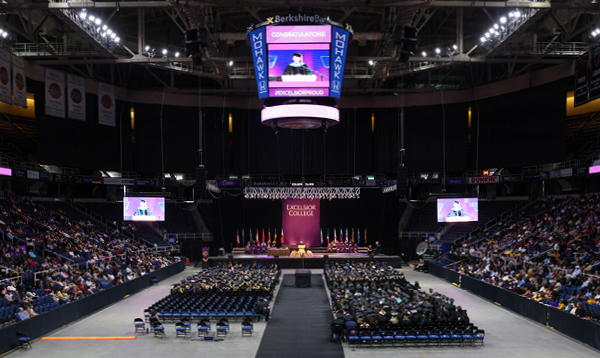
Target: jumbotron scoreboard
x=299, y=67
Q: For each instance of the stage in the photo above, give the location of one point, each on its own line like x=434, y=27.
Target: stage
x=316, y=261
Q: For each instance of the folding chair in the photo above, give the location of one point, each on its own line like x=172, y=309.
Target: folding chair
x=159, y=330
x=479, y=336
x=140, y=326
x=23, y=340
x=246, y=330
x=180, y=330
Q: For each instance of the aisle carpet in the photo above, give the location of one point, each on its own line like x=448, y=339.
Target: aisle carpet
x=300, y=323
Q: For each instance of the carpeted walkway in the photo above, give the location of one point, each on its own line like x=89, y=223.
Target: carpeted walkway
x=300, y=323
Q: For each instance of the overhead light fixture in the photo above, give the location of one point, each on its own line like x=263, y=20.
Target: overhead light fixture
x=482, y=39
x=371, y=63
x=104, y=27
x=517, y=14
x=437, y=50
x=496, y=26
x=98, y=21
x=117, y=39
x=176, y=54
x=230, y=63
x=4, y=34
x=109, y=31
x=455, y=47
x=92, y=17
x=113, y=35
x=503, y=20
x=424, y=54
x=147, y=48
x=487, y=34
x=83, y=15
x=164, y=51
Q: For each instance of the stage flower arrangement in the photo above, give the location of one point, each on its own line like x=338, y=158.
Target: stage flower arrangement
x=297, y=253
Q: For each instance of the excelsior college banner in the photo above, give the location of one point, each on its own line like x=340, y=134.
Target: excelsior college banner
x=19, y=85
x=76, y=98
x=5, y=87
x=301, y=221
x=106, y=104
x=55, y=93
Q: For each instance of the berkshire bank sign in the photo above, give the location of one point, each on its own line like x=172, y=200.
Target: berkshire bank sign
x=296, y=18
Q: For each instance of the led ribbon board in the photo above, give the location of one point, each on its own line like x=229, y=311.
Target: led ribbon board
x=300, y=111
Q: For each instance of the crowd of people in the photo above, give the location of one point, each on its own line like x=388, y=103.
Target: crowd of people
x=45, y=258
x=232, y=277
x=552, y=258
x=374, y=295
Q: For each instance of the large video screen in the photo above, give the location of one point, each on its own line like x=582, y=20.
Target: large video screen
x=457, y=210
x=143, y=209
x=299, y=60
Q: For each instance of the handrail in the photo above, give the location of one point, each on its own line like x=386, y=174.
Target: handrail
x=192, y=236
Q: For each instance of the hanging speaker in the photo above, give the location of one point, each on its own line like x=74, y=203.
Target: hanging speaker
x=402, y=184
x=201, y=180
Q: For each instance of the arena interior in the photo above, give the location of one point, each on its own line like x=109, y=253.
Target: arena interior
x=263, y=178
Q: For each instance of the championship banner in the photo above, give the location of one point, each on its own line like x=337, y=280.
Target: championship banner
x=19, y=85
x=581, y=80
x=106, y=104
x=595, y=73
x=339, y=48
x=205, y=254
x=5, y=87
x=483, y=180
x=76, y=98
x=301, y=220
x=55, y=93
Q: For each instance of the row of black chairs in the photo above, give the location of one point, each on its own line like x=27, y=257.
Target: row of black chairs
x=408, y=339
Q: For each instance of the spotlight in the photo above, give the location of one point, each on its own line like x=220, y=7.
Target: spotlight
x=511, y=14
x=230, y=63
x=117, y=39
x=424, y=54
x=4, y=34
x=437, y=50
x=371, y=63
x=109, y=31
x=496, y=26
x=113, y=35
x=164, y=52
x=482, y=39
x=83, y=15
x=104, y=27
x=517, y=14
x=503, y=20
x=487, y=34
x=92, y=17
x=491, y=31
x=176, y=54
x=104, y=34
x=455, y=47
x=1, y=31
x=98, y=21
x=147, y=48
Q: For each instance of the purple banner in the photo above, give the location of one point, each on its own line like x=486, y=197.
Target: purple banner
x=298, y=92
x=299, y=34
x=301, y=221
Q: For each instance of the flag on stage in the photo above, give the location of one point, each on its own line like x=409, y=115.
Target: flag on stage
x=257, y=237
x=346, y=235
x=282, y=239
x=243, y=238
x=327, y=236
x=263, y=235
x=334, y=235
x=269, y=230
x=321, y=236
x=238, y=236
x=341, y=235
x=358, y=237
x=250, y=235
x=365, y=236
x=275, y=238
x=352, y=235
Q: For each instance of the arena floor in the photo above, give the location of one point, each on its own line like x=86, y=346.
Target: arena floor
x=507, y=334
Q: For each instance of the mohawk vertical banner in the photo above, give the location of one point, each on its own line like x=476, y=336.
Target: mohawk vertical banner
x=5, y=87
x=76, y=98
x=302, y=221
x=19, y=85
x=258, y=44
x=581, y=80
x=339, y=47
x=106, y=104
x=55, y=93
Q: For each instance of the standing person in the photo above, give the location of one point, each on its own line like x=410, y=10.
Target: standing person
x=263, y=307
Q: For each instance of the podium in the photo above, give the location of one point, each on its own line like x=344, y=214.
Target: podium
x=303, y=279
